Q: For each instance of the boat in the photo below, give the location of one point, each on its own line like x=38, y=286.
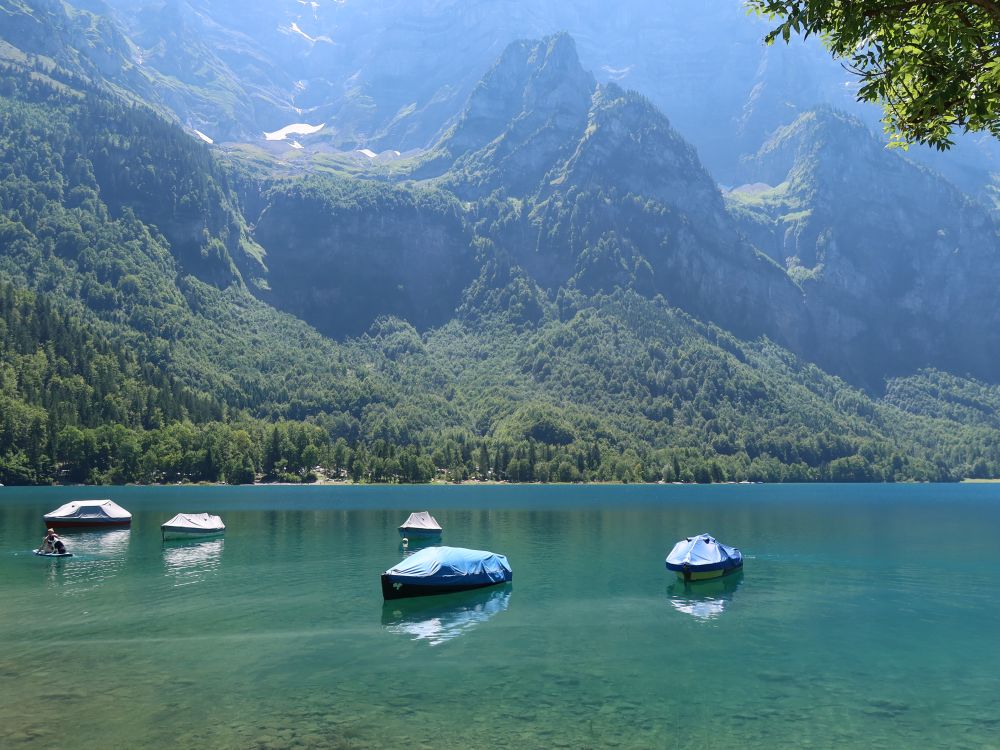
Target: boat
x=420, y=525
x=40, y=553
x=192, y=526
x=444, y=570
x=81, y=513
x=700, y=558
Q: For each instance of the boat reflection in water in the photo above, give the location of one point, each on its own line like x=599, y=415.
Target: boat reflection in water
x=705, y=600
x=99, y=543
x=409, y=546
x=98, y=555
x=190, y=562
x=441, y=618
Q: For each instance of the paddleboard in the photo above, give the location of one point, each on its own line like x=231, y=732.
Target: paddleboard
x=52, y=554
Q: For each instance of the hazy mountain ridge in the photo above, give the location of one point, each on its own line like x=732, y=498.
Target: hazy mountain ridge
x=602, y=181
x=391, y=75
x=899, y=258
x=518, y=122
x=586, y=186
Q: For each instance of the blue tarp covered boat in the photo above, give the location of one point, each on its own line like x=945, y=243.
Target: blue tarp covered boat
x=698, y=558
x=442, y=570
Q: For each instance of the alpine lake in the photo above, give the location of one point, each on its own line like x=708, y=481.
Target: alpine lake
x=866, y=616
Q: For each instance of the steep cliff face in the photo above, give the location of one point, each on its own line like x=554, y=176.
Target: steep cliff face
x=629, y=146
x=899, y=267
x=86, y=44
x=343, y=253
x=877, y=266
x=143, y=166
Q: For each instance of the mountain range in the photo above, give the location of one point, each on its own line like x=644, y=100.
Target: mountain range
x=541, y=280
x=391, y=75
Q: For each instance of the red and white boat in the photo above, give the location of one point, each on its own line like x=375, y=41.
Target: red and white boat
x=84, y=513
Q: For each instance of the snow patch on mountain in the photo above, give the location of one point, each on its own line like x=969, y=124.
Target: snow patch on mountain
x=298, y=128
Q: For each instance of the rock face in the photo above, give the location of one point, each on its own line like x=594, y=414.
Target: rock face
x=629, y=145
x=580, y=185
x=342, y=254
x=859, y=260
x=87, y=44
x=519, y=121
x=899, y=267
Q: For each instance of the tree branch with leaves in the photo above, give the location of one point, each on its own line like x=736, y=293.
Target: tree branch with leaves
x=932, y=64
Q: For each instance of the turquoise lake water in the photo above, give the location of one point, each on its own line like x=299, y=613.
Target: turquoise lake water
x=867, y=616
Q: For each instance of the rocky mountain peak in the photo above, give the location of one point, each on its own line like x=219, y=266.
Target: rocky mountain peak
x=524, y=116
x=540, y=80
x=630, y=145
x=820, y=139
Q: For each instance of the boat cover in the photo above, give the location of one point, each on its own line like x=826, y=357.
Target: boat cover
x=702, y=552
x=195, y=522
x=445, y=565
x=421, y=520
x=90, y=510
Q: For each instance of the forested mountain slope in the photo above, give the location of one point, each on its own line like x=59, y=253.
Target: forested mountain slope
x=106, y=204
x=550, y=330
x=678, y=400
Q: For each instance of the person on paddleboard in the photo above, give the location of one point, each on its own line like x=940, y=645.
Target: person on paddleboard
x=52, y=543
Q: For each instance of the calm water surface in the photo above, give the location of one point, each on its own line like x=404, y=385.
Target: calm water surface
x=866, y=617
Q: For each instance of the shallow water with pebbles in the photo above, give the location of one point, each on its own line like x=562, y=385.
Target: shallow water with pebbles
x=865, y=617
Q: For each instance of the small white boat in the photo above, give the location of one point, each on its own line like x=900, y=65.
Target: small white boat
x=420, y=525
x=82, y=513
x=192, y=526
